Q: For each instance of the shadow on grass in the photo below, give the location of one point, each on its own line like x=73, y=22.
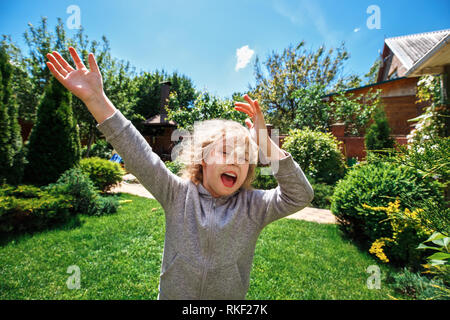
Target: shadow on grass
x=72, y=223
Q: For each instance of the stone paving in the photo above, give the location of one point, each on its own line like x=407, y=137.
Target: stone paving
x=131, y=185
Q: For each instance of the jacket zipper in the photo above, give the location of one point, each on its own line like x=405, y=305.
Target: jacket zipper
x=208, y=254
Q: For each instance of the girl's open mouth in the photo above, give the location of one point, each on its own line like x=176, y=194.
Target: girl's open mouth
x=228, y=179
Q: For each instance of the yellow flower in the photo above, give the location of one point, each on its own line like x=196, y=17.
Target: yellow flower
x=377, y=249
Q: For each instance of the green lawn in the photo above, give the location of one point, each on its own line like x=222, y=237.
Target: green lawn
x=119, y=257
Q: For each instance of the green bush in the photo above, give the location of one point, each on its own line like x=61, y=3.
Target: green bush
x=76, y=183
x=86, y=198
x=27, y=208
x=101, y=149
x=106, y=205
x=174, y=166
x=264, y=182
x=317, y=153
x=103, y=173
x=376, y=184
x=431, y=157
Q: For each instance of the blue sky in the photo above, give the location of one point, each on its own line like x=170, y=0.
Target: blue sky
x=201, y=38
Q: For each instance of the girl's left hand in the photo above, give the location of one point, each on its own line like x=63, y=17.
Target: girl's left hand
x=258, y=126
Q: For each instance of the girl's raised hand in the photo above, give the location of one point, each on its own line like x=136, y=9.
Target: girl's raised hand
x=83, y=83
x=253, y=110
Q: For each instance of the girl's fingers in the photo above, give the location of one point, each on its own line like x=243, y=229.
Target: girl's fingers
x=245, y=111
x=249, y=100
x=56, y=64
x=245, y=106
x=257, y=107
x=79, y=64
x=93, y=64
x=63, y=62
x=55, y=72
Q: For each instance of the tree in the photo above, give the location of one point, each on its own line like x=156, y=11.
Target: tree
x=295, y=68
x=149, y=92
x=205, y=107
x=21, y=83
x=312, y=111
x=12, y=158
x=372, y=75
x=54, y=144
x=378, y=137
x=31, y=73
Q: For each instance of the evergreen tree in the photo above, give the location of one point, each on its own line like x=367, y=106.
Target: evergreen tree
x=54, y=144
x=12, y=158
x=378, y=137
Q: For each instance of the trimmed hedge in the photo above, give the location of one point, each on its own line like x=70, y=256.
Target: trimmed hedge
x=317, y=153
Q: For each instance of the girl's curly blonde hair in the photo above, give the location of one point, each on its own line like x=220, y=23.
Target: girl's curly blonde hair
x=206, y=135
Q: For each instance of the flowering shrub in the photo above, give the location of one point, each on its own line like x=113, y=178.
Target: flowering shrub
x=430, y=158
x=407, y=233
x=377, y=249
x=376, y=184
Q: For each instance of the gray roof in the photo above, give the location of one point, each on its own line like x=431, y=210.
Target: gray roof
x=411, y=48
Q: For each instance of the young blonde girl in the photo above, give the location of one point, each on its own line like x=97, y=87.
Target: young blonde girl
x=213, y=217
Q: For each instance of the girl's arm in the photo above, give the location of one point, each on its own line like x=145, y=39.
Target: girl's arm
x=141, y=161
x=294, y=192
x=136, y=153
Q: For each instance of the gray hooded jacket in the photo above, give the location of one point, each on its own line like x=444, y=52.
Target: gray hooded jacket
x=209, y=242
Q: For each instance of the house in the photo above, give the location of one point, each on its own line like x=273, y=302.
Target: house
x=404, y=60
x=415, y=55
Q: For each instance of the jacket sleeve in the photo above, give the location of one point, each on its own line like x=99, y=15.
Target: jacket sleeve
x=140, y=160
x=293, y=193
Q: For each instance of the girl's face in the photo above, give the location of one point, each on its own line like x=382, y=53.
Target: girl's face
x=225, y=169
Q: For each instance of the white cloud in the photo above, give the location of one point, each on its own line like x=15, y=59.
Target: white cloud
x=243, y=54
x=356, y=29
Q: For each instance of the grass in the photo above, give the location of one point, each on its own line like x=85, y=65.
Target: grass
x=120, y=255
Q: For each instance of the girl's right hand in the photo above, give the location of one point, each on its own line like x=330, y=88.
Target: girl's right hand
x=83, y=83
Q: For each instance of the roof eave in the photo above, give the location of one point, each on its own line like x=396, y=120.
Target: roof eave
x=426, y=57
